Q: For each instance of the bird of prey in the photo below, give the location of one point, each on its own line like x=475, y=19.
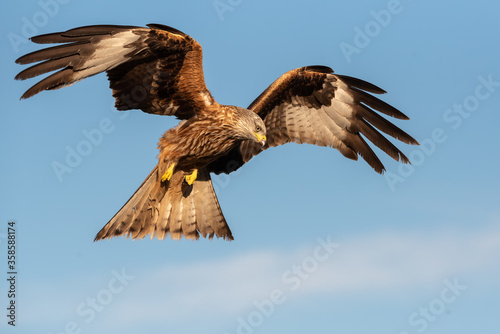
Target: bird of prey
x=159, y=70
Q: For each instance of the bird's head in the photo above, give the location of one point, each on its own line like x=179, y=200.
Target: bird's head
x=250, y=126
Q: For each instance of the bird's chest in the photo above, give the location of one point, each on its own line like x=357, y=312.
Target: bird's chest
x=208, y=146
x=197, y=145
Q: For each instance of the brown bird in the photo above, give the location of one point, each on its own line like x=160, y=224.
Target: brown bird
x=159, y=70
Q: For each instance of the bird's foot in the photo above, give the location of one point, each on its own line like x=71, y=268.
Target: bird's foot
x=190, y=178
x=168, y=174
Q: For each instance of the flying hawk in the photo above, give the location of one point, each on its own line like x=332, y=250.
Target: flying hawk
x=159, y=70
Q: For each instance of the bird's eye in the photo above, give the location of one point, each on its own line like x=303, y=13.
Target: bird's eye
x=257, y=128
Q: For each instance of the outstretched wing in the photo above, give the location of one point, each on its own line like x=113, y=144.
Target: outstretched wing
x=157, y=69
x=314, y=106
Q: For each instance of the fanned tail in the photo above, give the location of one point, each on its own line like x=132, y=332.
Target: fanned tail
x=158, y=208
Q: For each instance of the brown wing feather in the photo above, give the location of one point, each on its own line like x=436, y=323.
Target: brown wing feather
x=157, y=69
x=314, y=106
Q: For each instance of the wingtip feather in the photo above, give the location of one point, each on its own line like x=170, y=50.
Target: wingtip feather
x=318, y=68
x=165, y=28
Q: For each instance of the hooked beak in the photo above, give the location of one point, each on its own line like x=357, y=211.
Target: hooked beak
x=261, y=138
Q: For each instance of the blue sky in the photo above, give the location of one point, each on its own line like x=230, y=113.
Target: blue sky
x=322, y=244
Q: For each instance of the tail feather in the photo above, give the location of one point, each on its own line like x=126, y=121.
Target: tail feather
x=122, y=221
x=188, y=220
x=211, y=221
x=158, y=208
x=174, y=196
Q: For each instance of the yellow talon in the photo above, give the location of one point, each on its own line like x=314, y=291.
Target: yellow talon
x=191, y=177
x=168, y=174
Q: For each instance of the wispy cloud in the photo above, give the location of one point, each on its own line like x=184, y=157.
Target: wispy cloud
x=385, y=262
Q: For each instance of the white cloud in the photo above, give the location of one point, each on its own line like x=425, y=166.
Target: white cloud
x=386, y=262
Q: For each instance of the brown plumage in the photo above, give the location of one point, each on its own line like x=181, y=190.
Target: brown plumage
x=314, y=106
x=159, y=70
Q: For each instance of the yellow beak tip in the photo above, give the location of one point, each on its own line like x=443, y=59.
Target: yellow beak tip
x=261, y=139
